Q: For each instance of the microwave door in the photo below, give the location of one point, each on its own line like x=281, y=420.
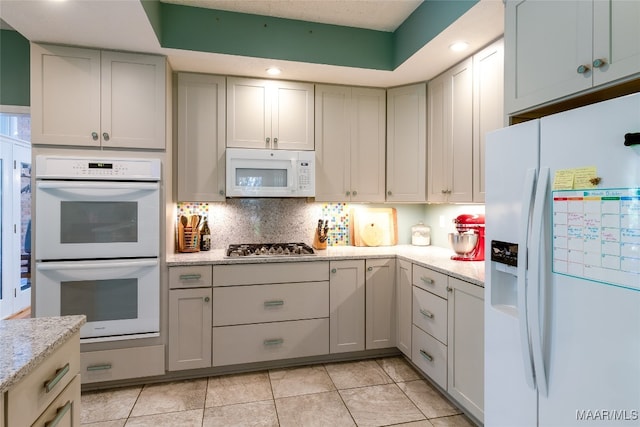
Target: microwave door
x=262, y=178
x=97, y=219
x=118, y=297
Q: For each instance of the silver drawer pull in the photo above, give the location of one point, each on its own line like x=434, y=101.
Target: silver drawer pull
x=103, y=367
x=426, y=313
x=60, y=373
x=426, y=355
x=274, y=303
x=60, y=413
x=427, y=280
x=274, y=341
x=190, y=276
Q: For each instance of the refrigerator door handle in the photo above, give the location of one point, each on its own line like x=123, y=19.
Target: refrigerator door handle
x=523, y=239
x=536, y=278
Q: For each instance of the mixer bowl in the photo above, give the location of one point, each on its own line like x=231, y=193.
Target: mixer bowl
x=462, y=244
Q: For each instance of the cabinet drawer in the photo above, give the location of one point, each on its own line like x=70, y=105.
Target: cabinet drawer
x=430, y=314
x=430, y=355
x=124, y=363
x=65, y=409
x=430, y=280
x=270, y=341
x=239, y=305
x=29, y=397
x=257, y=274
x=196, y=276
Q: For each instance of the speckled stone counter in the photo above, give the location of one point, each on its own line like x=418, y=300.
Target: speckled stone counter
x=25, y=343
x=433, y=257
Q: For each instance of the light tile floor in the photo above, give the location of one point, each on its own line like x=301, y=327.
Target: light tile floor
x=381, y=392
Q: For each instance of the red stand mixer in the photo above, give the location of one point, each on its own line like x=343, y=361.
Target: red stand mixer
x=468, y=242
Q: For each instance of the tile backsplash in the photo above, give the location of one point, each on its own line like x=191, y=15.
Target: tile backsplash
x=295, y=220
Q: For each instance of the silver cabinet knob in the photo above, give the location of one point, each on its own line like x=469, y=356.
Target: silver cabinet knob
x=582, y=69
x=207, y=299
x=268, y=140
x=370, y=269
x=105, y=136
x=334, y=271
x=597, y=63
x=275, y=141
x=355, y=193
x=94, y=136
x=221, y=192
x=389, y=193
x=348, y=193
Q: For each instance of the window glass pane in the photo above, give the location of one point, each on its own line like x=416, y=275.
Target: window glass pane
x=16, y=125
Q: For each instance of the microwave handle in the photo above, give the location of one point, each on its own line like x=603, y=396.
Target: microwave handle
x=58, y=185
x=83, y=265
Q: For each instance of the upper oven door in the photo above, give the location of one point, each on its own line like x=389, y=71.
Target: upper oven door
x=93, y=220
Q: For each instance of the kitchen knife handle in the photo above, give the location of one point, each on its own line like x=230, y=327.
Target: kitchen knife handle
x=632, y=139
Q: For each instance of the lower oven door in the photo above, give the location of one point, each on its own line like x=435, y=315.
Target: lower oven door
x=121, y=298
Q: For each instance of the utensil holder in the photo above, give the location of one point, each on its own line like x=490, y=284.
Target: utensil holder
x=188, y=239
x=317, y=244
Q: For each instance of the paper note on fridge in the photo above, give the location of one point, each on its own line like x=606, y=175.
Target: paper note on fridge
x=574, y=179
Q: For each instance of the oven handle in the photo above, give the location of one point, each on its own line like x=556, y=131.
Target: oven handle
x=60, y=185
x=83, y=265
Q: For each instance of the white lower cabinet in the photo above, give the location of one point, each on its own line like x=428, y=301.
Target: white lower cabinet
x=270, y=341
x=380, y=301
x=347, y=306
x=50, y=392
x=403, y=306
x=189, y=328
x=430, y=355
x=122, y=364
x=466, y=346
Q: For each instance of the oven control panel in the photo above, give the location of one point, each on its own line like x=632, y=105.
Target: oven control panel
x=60, y=167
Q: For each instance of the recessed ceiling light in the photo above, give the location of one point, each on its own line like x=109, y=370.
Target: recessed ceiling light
x=273, y=71
x=459, y=46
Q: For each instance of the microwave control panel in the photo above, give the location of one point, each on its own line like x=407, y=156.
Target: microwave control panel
x=305, y=175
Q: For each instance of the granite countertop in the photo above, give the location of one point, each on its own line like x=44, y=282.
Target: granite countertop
x=433, y=257
x=27, y=342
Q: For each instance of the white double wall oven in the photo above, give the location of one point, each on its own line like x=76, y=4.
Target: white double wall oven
x=97, y=227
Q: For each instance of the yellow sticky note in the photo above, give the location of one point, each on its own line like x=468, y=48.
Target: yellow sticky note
x=583, y=177
x=563, y=179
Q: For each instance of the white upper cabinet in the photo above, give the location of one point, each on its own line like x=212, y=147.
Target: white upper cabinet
x=270, y=114
x=350, y=144
x=201, y=138
x=91, y=98
x=407, y=143
x=488, y=110
x=449, y=135
x=556, y=49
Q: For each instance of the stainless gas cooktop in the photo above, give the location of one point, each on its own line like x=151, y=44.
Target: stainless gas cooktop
x=269, y=249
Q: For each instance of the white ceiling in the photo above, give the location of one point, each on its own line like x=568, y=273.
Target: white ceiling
x=123, y=25
x=381, y=15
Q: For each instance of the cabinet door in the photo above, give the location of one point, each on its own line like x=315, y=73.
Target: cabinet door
x=460, y=172
x=545, y=44
x=133, y=100
x=403, y=307
x=333, y=136
x=407, y=144
x=615, y=39
x=292, y=116
x=64, y=411
x=368, y=136
x=190, y=328
x=380, y=311
x=450, y=145
x=346, y=306
x=201, y=138
x=466, y=346
x=488, y=111
x=248, y=113
x=65, y=96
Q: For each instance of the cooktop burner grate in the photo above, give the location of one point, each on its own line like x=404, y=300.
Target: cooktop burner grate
x=269, y=249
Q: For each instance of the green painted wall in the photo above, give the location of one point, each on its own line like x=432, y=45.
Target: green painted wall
x=208, y=30
x=14, y=69
x=424, y=24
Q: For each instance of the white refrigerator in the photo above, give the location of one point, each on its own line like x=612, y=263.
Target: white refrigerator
x=562, y=282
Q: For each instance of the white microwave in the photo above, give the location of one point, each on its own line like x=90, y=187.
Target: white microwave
x=270, y=173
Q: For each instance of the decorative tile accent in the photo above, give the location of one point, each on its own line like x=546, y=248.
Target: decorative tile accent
x=339, y=217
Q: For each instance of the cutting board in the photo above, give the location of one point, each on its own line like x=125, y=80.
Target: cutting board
x=373, y=227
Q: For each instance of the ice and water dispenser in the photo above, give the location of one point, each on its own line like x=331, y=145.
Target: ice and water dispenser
x=504, y=275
